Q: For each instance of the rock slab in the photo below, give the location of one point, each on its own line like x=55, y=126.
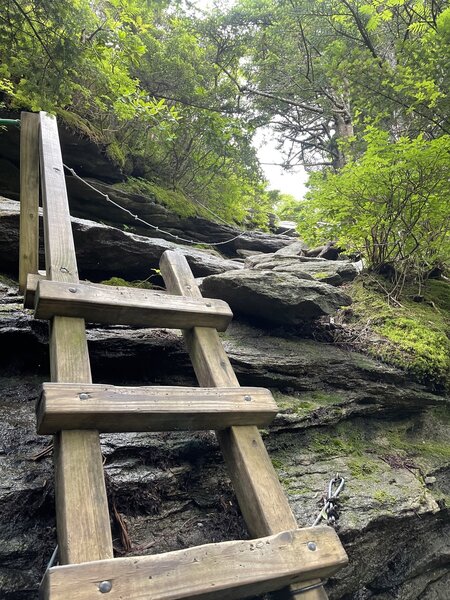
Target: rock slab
x=104, y=252
x=279, y=298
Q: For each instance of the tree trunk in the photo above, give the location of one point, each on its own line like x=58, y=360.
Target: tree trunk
x=343, y=129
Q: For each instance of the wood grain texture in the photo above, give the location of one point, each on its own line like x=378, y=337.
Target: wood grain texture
x=225, y=571
x=29, y=197
x=60, y=259
x=254, y=479
x=83, y=525
x=31, y=287
x=128, y=306
x=261, y=498
x=162, y=408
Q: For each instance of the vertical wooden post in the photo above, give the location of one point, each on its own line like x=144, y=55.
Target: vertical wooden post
x=261, y=498
x=83, y=526
x=29, y=197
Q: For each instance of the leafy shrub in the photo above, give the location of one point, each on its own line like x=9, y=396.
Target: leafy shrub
x=392, y=204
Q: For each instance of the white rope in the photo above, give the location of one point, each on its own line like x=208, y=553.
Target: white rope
x=138, y=218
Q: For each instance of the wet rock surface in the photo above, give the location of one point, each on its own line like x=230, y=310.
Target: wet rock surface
x=296, y=260
x=340, y=412
x=87, y=204
x=274, y=297
x=90, y=162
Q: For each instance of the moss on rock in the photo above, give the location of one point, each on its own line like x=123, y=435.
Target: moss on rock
x=412, y=334
x=302, y=403
x=119, y=282
x=174, y=200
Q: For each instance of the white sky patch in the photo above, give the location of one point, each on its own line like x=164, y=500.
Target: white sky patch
x=287, y=182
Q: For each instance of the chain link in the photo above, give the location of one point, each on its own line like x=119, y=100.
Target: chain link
x=330, y=503
x=162, y=231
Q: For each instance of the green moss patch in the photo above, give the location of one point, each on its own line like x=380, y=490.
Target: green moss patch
x=401, y=438
x=174, y=200
x=303, y=403
x=119, y=282
x=81, y=125
x=413, y=443
x=411, y=335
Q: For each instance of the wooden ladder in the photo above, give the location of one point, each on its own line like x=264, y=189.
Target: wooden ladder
x=75, y=410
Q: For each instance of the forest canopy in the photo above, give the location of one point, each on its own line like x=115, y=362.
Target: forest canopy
x=356, y=91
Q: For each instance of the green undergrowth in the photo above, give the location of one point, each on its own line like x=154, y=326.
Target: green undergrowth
x=80, y=125
x=114, y=151
x=413, y=335
x=174, y=200
x=119, y=282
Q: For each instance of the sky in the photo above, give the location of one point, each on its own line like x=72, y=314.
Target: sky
x=288, y=182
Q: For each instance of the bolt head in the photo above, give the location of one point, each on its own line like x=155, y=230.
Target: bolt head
x=73, y=290
x=247, y=398
x=312, y=546
x=105, y=586
x=83, y=396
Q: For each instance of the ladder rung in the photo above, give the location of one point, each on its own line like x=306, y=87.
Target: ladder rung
x=30, y=292
x=224, y=571
x=110, y=409
x=128, y=306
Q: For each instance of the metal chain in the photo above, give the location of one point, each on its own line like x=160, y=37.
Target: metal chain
x=328, y=512
x=51, y=562
x=308, y=588
x=329, y=509
x=138, y=218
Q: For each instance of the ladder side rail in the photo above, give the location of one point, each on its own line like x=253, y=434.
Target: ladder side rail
x=83, y=525
x=29, y=197
x=261, y=498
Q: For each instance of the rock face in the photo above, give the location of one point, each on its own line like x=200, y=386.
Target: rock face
x=339, y=411
x=85, y=203
x=333, y=272
x=90, y=161
x=281, y=298
x=292, y=259
x=105, y=252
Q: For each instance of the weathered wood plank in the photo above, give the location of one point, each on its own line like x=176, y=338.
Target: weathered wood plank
x=32, y=283
x=162, y=408
x=83, y=526
x=225, y=571
x=31, y=287
x=29, y=197
x=128, y=306
x=261, y=498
